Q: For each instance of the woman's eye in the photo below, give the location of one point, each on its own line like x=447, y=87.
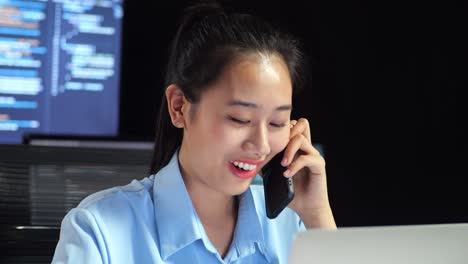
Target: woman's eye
x=243, y=122
x=278, y=125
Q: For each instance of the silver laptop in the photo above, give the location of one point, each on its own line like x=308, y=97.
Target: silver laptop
x=413, y=244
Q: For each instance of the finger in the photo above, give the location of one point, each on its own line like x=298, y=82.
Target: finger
x=316, y=164
x=299, y=142
x=293, y=123
x=300, y=126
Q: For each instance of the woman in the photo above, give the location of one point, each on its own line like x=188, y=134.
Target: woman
x=225, y=114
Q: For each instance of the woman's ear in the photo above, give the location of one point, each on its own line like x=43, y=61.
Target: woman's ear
x=176, y=103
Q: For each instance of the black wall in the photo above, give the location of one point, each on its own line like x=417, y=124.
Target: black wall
x=384, y=99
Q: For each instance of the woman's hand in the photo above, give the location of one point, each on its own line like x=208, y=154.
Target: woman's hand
x=307, y=168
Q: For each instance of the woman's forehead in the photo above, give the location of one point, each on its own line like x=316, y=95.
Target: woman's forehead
x=255, y=76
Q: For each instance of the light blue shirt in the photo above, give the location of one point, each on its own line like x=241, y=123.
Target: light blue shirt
x=153, y=221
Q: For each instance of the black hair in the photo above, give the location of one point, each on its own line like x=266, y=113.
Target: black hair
x=209, y=39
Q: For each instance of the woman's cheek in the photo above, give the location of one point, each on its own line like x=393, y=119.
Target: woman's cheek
x=280, y=141
x=223, y=134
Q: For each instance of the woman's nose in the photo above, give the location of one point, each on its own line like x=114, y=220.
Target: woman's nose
x=258, y=143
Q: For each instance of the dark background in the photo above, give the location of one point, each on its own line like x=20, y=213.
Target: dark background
x=384, y=98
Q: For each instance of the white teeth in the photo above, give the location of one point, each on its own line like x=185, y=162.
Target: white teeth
x=244, y=166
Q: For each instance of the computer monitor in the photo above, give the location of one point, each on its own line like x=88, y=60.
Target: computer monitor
x=59, y=68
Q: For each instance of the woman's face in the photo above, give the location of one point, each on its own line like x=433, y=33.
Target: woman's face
x=243, y=117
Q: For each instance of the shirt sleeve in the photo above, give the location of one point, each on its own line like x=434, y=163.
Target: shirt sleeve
x=80, y=239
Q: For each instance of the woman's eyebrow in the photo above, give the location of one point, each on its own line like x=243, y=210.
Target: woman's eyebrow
x=255, y=106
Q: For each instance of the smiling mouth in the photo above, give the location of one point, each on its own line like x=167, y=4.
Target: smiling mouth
x=244, y=171
x=244, y=166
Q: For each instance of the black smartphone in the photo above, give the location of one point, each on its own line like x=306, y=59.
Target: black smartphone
x=279, y=190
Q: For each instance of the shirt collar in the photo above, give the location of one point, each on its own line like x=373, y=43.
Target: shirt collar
x=178, y=224
x=248, y=236
x=176, y=220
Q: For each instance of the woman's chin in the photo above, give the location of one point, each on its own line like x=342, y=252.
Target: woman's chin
x=240, y=187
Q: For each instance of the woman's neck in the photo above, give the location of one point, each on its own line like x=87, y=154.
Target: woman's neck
x=211, y=206
x=208, y=202
x=217, y=210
